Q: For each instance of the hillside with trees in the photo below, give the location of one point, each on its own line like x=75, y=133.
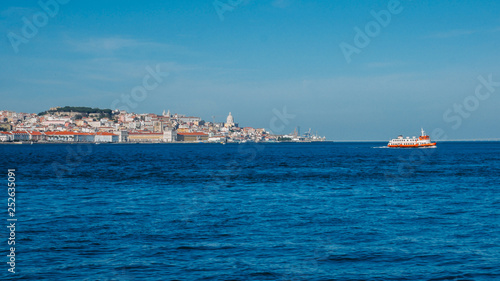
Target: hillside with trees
x=81, y=110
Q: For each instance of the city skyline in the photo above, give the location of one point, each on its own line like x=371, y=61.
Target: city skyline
x=85, y=124
x=408, y=64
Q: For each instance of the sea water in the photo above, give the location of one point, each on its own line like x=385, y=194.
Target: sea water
x=286, y=211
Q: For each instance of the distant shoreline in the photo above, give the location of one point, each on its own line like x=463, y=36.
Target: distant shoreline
x=458, y=140
x=166, y=143
x=231, y=143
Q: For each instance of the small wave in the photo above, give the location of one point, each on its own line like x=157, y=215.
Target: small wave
x=264, y=273
x=209, y=246
x=349, y=258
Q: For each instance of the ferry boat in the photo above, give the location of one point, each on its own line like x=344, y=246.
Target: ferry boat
x=422, y=141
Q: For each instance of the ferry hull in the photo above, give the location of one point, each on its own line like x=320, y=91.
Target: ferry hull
x=411, y=145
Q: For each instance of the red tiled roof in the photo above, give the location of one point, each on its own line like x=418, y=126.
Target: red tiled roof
x=145, y=133
x=66, y=133
x=60, y=133
x=192, y=134
x=105, y=134
x=35, y=133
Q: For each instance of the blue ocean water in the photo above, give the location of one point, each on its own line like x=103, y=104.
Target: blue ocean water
x=312, y=211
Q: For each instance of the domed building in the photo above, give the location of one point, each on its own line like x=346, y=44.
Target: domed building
x=230, y=121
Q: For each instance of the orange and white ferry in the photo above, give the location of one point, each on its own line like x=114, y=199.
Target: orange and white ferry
x=422, y=141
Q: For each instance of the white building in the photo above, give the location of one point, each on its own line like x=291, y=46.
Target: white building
x=169, y=135
x=36, y=136
x=189, y=119
x=106, y=137
x=20, y=135
x=84, y=137
x=6, y=136
x=54, y=122
x=95, y=124
x=230, y=121
x=123, y=136
x=60, y=136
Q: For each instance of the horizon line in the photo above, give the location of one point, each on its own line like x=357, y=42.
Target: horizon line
x=451, y=140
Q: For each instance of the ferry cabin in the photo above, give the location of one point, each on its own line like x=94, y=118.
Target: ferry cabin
x=402, y=141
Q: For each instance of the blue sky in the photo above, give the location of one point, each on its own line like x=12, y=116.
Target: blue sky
x=262, y=57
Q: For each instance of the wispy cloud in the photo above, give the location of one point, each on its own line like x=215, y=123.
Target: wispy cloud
x=113, y=44
x=461, y=33
x=108, y=44
x=454, y=33
x=49, y=82
x=387, y=64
